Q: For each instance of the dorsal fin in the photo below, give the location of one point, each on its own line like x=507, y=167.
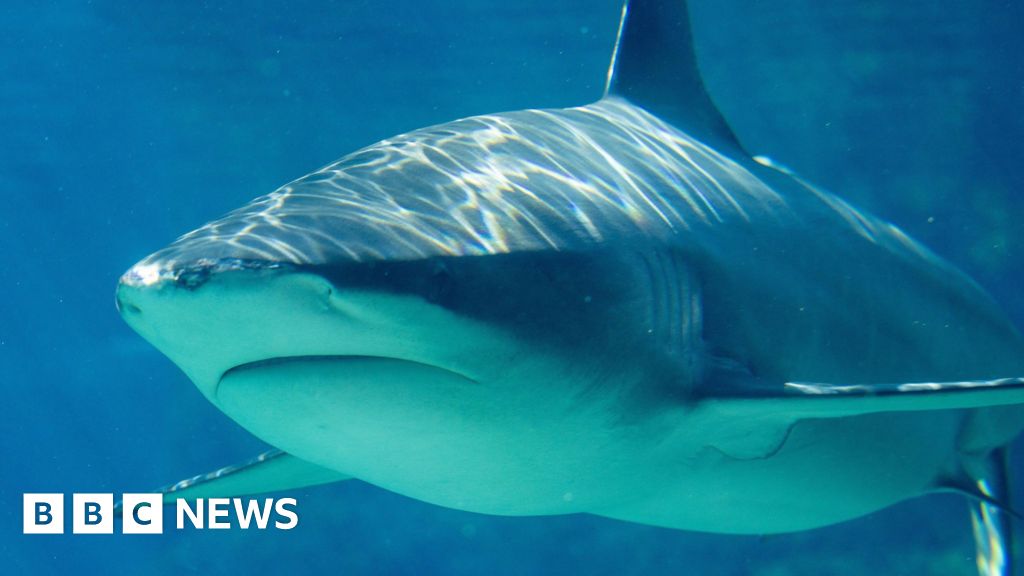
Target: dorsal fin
x=654, y=66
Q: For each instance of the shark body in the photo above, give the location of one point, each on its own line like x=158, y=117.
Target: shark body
x=609, y=309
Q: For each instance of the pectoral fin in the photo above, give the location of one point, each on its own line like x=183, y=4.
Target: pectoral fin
x=269, y=472
x=758, y=415
x=799, y=400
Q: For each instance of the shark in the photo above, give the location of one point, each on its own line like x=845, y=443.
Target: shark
x=610, y=309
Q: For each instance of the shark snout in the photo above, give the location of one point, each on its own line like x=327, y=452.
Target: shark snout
x=211, y=320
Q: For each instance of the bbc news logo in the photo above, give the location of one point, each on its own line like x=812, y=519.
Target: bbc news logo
x=144, y=513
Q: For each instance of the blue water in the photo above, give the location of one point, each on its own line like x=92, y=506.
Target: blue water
x=124, y=124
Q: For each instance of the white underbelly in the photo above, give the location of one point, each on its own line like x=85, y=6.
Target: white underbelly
x=827, y=471
x=436, y=436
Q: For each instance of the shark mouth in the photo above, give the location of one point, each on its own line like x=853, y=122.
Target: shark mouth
x=339, y=369
x=326, y=408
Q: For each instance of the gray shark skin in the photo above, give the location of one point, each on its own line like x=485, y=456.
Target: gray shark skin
x=609, y=309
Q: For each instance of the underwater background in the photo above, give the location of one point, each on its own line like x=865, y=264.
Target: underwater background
x=124, y=124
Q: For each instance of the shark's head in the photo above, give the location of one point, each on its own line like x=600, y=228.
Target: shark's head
x=374, y=304
x=431, y=248
x=474, y=318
